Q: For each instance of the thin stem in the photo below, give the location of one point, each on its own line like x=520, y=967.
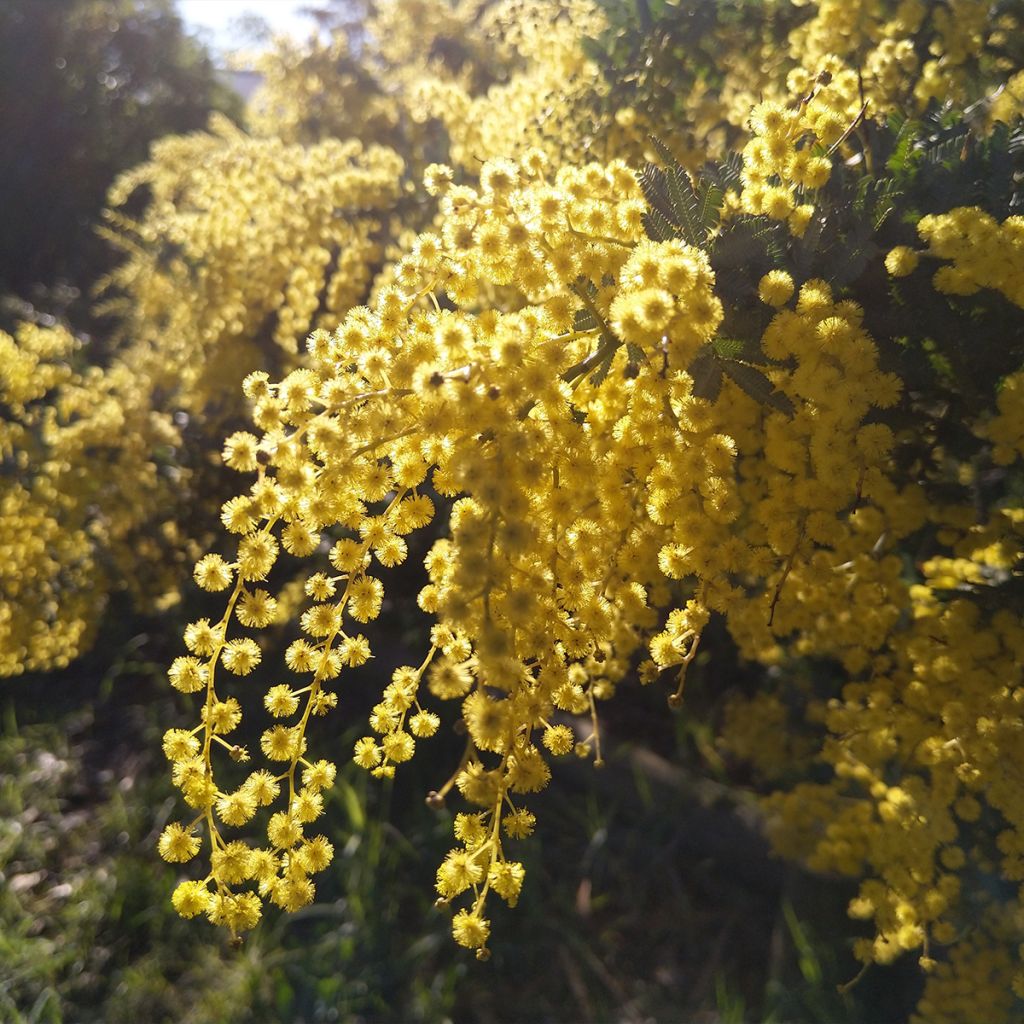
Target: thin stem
x=584, y=366
x=787, y=569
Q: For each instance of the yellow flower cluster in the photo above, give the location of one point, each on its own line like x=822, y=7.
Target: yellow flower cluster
x=488, y=78
x=760, y=731
x=246, y=243
x=83, y=496
x=492, y=79
x=48, y=606
x=349, y=442
x=937, y=706
x=525, y=365
x=571, y=409
x=983, y=252
x=321, y=89
x=982, y=970
x=896, y=54
x=1008, y=104
x=539, y=104
x=878, y=55
x=923, y=741
x=1006, y=428
x=786, y=158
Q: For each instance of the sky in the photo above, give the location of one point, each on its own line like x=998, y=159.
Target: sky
x=214, y=17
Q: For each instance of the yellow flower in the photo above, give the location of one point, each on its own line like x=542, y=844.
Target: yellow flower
x=775, y=288
x=179, y=745
x=263, y=787
x=176, y=844
x=315, y=854
x=319, y=775
x=241, y=656
x=284, y=831
x=236, y=808
x=470, y=930
x=188, y=675
x=424, y=724
x=901, y=261
x=281, y=743
x=256, y=556
x=231, y=863
x=460, y=870
x=280, y=701
x=256, y=609
x=506, y=878
x=191, y=898
x=398, y=746
x=212, y=573
x=236, y=911
x=367, y=754
x=559, y=739
x=240, y=451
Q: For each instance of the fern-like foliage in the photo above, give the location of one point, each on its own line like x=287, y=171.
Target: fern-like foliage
x=738, y=360
x=677, y=207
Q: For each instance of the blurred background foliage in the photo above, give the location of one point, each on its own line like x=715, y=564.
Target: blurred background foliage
x=653, y=895
x=86, y=86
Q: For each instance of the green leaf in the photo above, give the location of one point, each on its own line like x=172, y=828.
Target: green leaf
x=726, y=175
x=738, y=350
x=584, y=320
x=709, y=206
x=654, y=184
x=603, y=368
x=692, y=213
x=728, y=348
x=754, y=383
x=663, y=151
x=847, y=259
x=906, y=134
x=1001, y=180
x=637, y=356
x=706, y=372
x=594, y=49
x=657, y=227
x=754, y=243
x=945, y=145
x=886, y=194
